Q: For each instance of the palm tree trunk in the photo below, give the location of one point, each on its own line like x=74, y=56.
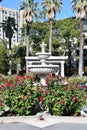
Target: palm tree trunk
x=27, y=52
x=10, y=57
x=27, y=47
x=50, y=38
x=80, y=69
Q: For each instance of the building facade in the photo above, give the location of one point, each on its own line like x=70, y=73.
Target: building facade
x=18, y=15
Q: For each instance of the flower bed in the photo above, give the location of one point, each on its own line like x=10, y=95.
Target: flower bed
x=20, y=97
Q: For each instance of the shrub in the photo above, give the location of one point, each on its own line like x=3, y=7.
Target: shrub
x=21, y=97
x=76, y=79
x=66, y=100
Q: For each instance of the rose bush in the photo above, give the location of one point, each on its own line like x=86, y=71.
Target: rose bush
x=19, y=96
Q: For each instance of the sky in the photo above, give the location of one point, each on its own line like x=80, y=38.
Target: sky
x=65, y=11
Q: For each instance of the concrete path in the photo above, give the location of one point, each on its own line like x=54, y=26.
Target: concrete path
x=59, y=126
x=49, y=123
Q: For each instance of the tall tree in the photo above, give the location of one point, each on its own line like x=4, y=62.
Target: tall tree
x=30, y=8
x=51, y=7
x=81, y=12
x=9, y=26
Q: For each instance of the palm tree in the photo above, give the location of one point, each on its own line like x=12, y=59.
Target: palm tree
x=81, y=12
x=51, y=7
x=30, y=8
x=8, y=27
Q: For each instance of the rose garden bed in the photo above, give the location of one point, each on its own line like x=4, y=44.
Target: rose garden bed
x=23, y=95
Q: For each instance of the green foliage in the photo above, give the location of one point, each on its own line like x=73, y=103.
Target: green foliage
x=65, y=99
x=62, y=29
x=77, y=79
x=3, y=60
x=19, y=96
x=18, y=56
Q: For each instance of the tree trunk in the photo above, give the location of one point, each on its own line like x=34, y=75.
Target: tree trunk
x=69, y=57
x=50, y=38
x=80, y=69
x=27, y=47
x=10, y=57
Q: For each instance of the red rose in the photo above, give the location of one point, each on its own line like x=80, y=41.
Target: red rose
x=1, y=104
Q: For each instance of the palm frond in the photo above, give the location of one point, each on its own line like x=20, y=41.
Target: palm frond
x=30, y=9
x=52, y=7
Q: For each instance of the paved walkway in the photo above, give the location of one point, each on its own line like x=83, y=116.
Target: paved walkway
x=49, y=123
x=60, y=126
